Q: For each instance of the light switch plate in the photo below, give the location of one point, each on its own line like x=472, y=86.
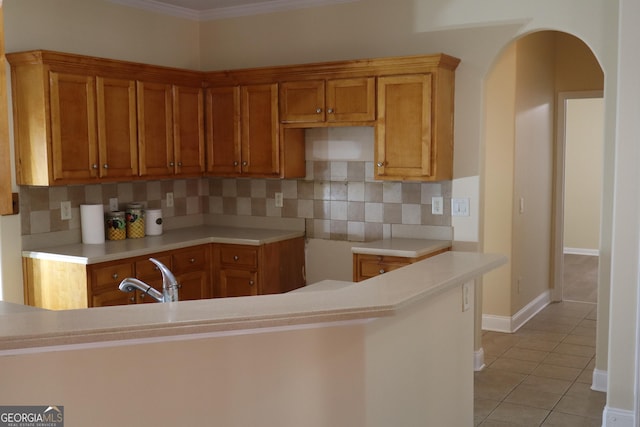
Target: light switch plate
x=460, y=207
x=113, y=204
x=278, y=200
x=169, y=200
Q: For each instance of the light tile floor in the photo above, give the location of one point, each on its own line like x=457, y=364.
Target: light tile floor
x=541, y=375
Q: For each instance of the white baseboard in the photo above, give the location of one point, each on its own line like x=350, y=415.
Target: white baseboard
x=582, y=251
x=613, y=417
x=511, y=324
x=599, y=380
x=478, y=360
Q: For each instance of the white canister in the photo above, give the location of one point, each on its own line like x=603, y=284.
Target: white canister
x=153, y=222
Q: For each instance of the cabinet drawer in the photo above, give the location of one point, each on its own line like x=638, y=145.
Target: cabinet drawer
x=194, y=259
x=110, y=275
x=237, y=255
x=370, y=267
x=145, y=269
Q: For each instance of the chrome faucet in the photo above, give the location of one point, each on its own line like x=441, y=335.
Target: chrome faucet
x=170, y=285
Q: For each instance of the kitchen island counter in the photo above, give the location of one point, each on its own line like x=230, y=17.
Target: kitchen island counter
x=377, y=297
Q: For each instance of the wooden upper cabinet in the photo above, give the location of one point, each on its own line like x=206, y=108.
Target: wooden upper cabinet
x=403, y=130
x=223, y=130
x=333, y=101
x=155, y=129
x=259, y=136
x=117, y=128
x=188, y=130
x=73, y=127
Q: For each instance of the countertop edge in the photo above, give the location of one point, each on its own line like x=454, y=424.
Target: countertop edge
x=75, y=253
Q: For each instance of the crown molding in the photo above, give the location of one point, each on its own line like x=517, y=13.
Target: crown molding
x=226, y=12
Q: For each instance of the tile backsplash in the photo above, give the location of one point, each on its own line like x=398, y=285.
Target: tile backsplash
x=339, y=200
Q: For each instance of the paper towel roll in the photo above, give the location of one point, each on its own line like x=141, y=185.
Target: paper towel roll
x=153, y=222
x=92, y=223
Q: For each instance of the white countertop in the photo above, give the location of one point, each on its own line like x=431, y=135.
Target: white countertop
x=401, y=247
x=173, y=239
x=338, y=301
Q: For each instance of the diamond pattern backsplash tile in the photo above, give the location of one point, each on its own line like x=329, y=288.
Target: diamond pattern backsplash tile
x=339, y=200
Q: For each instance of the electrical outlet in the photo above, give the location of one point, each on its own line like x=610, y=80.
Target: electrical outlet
x=437, y=205
x=278, y=201
x=466, y=296
x=65, y=210
x=169, y=200
x=113, y=204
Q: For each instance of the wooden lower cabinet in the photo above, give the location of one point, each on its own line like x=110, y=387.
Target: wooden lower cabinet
x=241, y=270
x=203, y=271
x=366, y=266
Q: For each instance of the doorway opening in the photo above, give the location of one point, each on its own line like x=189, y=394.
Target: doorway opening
x=580, y=146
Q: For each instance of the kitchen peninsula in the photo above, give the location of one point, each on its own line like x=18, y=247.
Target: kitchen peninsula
x=396, y=349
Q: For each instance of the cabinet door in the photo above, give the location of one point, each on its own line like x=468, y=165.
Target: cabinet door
x=351, y=100
x=238, y=283
x=73, y=127
x=403, y=130
x=223, y=130
x=112, y=297
x=302, y=102
x=260, y=154
x=155, y=135
x=188, y=130
x=194, y=285
x=117, y=128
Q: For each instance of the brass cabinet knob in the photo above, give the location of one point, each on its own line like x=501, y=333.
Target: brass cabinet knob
x=236, y=257
x=318, y=110
x=94, y=166
x=179, y=163
x=330, y=110
x=380, y=164
x=250, y=282
x=192, y=260
x=115, y=276
x=235, y=163
x=105, y=166
x=382, y=271
x=244, y=163
x=171, y=164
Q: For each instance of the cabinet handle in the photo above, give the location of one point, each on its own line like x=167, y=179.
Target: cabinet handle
x=236, y=257
x=179, y=163
x=94, y=166
x=171, y=164
x=381, y=271
x=318, y=110
x=105, y=166
x=132, y=299
x=244, y=163
x=330, y=111
x=380, y=164
x=192, y=260
x=235, y=163
x=115, y=276
x=250, y=282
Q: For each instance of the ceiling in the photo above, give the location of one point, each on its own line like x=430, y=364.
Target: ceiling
x=205, y=10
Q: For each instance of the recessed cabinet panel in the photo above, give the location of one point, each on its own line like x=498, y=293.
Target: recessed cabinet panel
x=155, y=130
x=188, y=110
x=351, y=100
x=302, y=101
x=117, y=128
x=223, y=130
x=260, y=148
x=403, y=128
x=73, y=127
